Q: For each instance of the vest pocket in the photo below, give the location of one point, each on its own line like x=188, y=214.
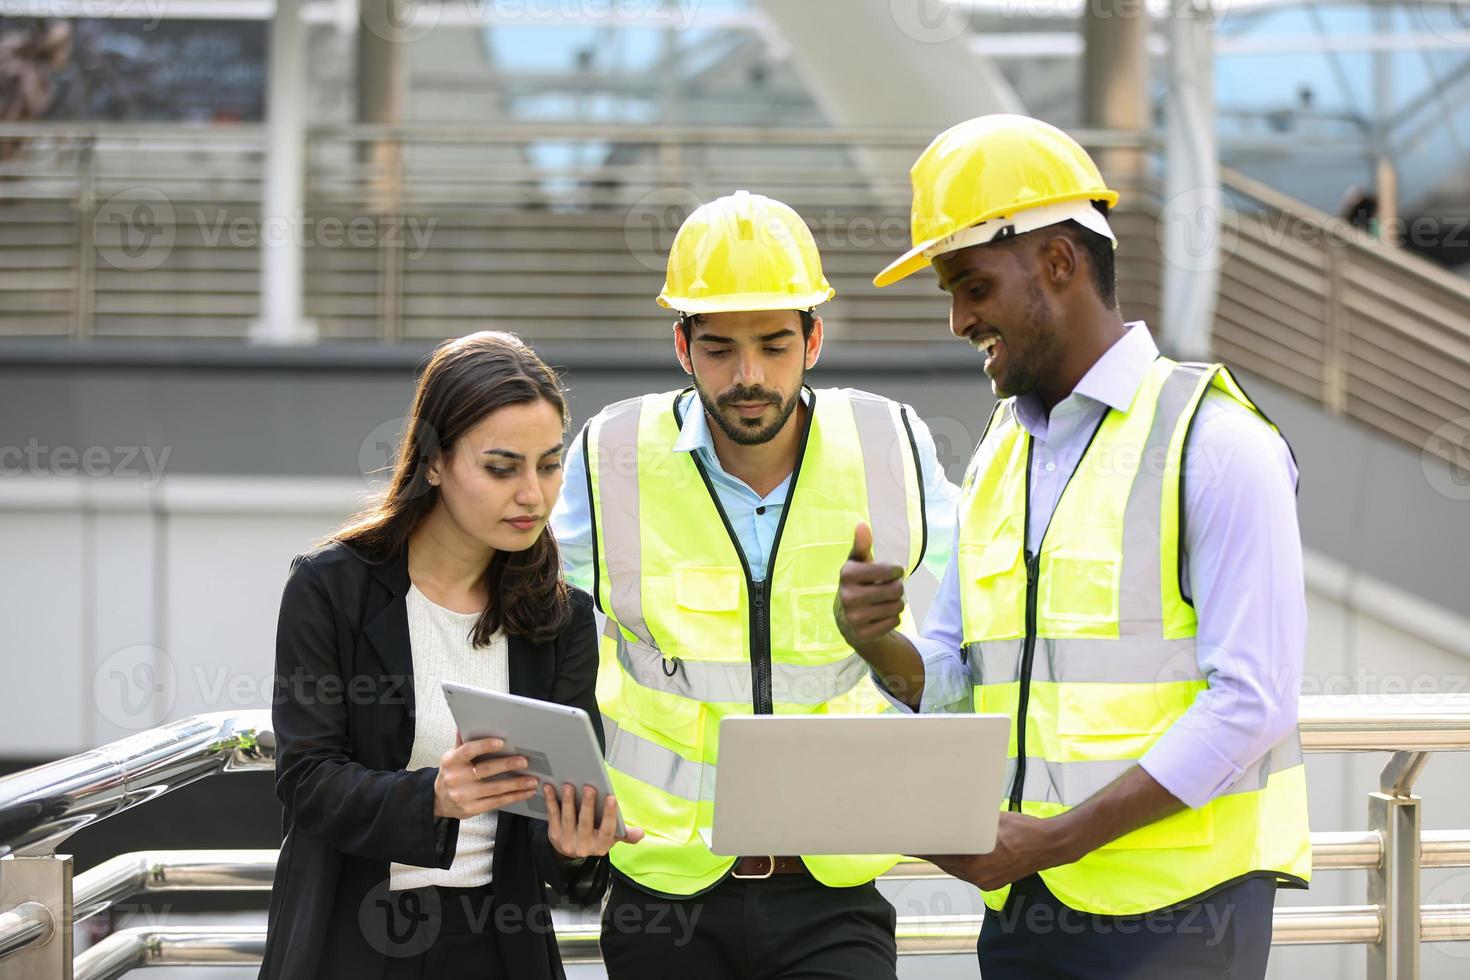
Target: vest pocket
x=813, y=630
x=707, y=613
x=983, y=560
x=995, y=605
x=1081, y=587
x=805, y=625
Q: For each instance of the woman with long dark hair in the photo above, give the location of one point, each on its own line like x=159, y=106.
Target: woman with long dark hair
x=396, y=863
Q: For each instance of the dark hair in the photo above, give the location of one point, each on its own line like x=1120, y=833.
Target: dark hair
x=688, y=320
x=465, y=380
x=1099, y=249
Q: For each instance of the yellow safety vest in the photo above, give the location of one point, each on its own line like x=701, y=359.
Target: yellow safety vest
x=691, y=638
x=1089, y=648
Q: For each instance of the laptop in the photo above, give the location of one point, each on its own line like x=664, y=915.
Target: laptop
x=859, y=784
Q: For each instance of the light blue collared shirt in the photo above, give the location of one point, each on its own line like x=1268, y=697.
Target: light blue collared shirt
x=754, y=518
x=1243, y=570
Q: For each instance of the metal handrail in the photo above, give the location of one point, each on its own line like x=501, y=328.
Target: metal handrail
x=44, y=805
x=900, y=137
x=1352, y=237
x=919, y=935
x=147, y=872
x=1367, y=723
x=134, y=949
x=139, y=872
x=41, y=806
x=28, y=924
x=1308, y=302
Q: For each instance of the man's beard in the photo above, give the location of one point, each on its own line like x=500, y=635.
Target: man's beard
x=748, y=432
x=1029, y=366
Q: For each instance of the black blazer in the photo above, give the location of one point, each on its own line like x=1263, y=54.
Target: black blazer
x=344, y=724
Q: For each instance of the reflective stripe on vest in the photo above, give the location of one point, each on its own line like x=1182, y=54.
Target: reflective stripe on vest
x=811, y=684
x=1074, y=782
x=1112, y=662
x=676, y=651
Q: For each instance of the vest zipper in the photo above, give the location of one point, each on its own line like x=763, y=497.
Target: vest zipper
x=1028, y=656
x=1033, y=581
x=760, y=647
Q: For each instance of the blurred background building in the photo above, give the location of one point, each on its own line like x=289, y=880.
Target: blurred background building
x=231, y=229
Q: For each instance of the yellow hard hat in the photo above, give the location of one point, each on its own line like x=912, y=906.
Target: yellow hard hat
x=744, y=252
x=997, y=175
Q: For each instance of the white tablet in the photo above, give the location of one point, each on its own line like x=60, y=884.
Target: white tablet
x=859, y=784
x=556, y=739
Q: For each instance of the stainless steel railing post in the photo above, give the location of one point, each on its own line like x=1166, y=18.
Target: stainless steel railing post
x=35, y=932
x=1393, y=885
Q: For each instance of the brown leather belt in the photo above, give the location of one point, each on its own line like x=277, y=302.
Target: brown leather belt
x=766, y=865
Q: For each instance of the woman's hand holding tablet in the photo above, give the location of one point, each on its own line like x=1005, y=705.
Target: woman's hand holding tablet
x=553, y=746
x=466, y=788
x=570, y=826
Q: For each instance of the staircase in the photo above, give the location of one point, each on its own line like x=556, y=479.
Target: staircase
x=109, y=235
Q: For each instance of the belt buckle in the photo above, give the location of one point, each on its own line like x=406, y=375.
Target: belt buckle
x=770, y=869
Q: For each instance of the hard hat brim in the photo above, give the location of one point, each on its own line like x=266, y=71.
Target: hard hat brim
x=1078, y=209
x=904, y=266
x=746, y=302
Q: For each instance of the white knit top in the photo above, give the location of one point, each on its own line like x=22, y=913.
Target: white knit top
x=440, y=640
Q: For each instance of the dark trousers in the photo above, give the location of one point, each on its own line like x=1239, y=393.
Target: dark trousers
x=789, y=926
x=1224, y=936
x=440, y=934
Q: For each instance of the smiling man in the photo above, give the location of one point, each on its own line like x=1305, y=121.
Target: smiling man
x=710, y=525
x=1126, y=585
